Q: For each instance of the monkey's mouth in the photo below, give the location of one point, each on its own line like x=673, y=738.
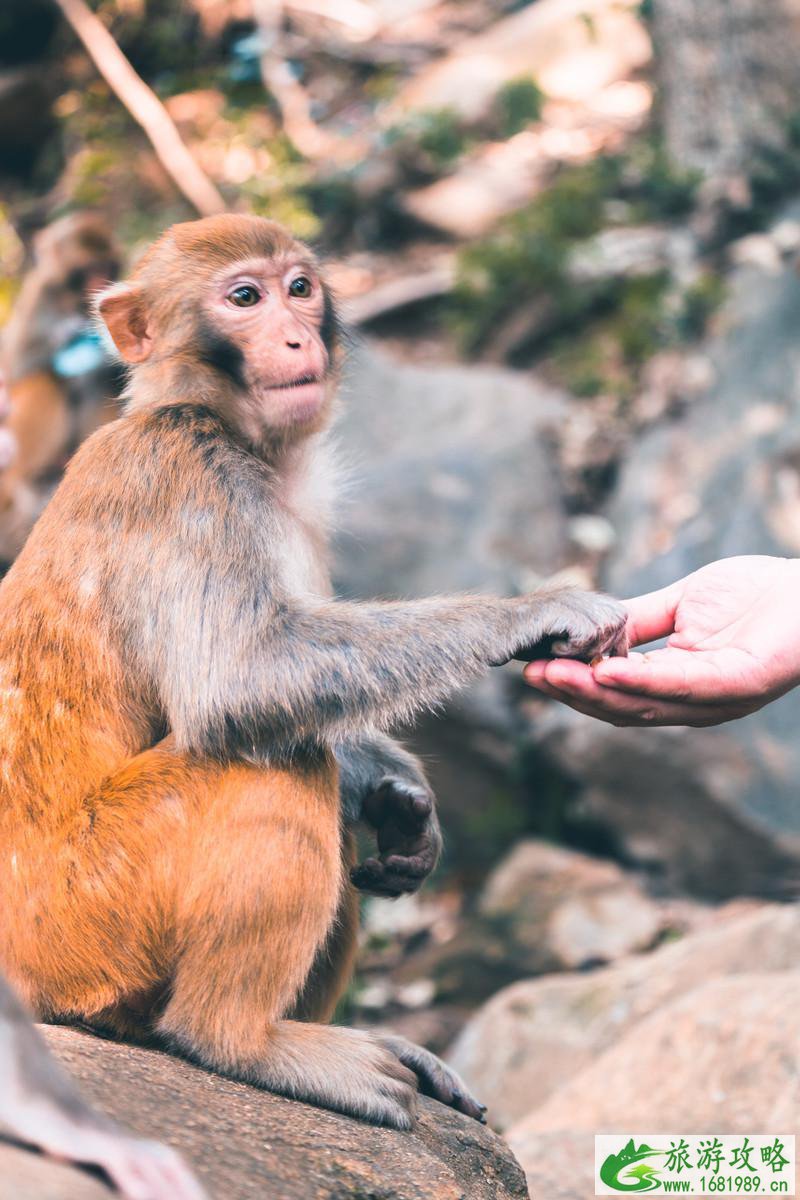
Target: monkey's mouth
x=301, y=381
x=301, y=399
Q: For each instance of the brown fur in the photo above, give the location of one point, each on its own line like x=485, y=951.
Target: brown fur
x=174, y=679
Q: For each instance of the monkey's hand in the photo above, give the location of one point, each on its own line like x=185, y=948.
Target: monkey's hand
x=570, y=623
x=403, y=814
x=435, y=1077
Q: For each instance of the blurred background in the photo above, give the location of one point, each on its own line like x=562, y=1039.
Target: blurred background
x=564, y=236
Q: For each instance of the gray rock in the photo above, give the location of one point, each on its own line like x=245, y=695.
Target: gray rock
x=716, y=810
x=536, y=1035
x=453, y=486
x=560, y=910
x=725, y=1057
x=246, y=1144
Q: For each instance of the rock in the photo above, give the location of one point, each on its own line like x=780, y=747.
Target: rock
x=622, y=253
x=537, y=1034
x=583, y=54
x=725, y=1057
x=245, y=1143
x=544, y=908
x=560, y=910
x=714, y=810
x=455, y=487
x=28, y=1176
x=756, y=250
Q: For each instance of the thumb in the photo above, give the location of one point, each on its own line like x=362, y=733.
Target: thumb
x=653, y=615
x=669, y=674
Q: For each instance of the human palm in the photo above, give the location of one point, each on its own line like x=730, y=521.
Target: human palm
x=733, y=644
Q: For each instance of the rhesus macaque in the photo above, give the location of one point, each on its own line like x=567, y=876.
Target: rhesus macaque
x=175, y=679
x=62, y=383
x=41, y=1106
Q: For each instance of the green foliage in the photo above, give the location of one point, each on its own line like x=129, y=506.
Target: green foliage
x=640, y=321
x=437, y=133
x=700, y=301
x=526, y=257
x=613, y=326
x=517, y=104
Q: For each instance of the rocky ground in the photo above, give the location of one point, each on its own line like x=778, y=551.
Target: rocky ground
x=244, y=1143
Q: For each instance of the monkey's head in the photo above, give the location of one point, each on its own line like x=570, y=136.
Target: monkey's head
x=230, y=310
x=76, y=255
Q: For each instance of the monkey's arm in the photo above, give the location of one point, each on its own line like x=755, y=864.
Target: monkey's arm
x=40, y=1105
x=293, y=675
x=384, y=785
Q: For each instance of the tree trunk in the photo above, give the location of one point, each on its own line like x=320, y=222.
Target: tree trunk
x=729, y=78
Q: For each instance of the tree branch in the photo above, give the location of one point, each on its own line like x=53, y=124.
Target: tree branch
x=145, y=108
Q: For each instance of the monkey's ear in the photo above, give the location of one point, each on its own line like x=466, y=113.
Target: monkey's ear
x=122, y=308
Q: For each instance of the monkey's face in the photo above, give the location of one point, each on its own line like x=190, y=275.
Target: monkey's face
x=236, y=296
x=270, y=311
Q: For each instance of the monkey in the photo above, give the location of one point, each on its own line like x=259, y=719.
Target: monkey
x=175, y=679
x=386, y=788
x=62, y=381
x=40, y=1106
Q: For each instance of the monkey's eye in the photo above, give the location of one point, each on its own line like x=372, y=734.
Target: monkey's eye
x=300, y=287
x=244, y=296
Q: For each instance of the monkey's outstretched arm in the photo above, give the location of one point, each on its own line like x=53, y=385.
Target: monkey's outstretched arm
x=244, y=665
x=40, y=1105
x=326, y=671
x=383, y=784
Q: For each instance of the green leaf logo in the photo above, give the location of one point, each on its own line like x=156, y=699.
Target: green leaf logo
x=627, y=1171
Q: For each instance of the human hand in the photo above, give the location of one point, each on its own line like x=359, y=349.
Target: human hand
x=733, y=646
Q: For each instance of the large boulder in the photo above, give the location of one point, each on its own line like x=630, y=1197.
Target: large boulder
x=561, y=910
x=245, y=1143
x=531, y=1038
x=715, y=810
x=453, y=484
x=725, y=1058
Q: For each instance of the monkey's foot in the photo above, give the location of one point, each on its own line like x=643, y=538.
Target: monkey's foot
x=346, y=1070
x=436, y=1079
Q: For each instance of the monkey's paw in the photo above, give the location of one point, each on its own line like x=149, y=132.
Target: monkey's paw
x=578, y=624
x=403, y=814
x=435, y=1077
